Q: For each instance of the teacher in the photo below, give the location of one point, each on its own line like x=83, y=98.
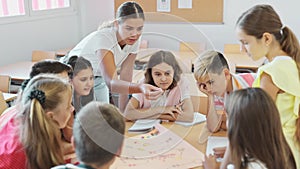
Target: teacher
x=112, y=50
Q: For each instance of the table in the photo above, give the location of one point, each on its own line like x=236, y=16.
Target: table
x=17, y=71
x=8, y=97
x=62, y=52
x=189, y=134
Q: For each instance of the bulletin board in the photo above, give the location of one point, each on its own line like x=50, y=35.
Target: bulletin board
x=202, y=11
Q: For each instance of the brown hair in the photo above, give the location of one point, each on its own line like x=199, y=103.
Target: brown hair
x=255, y=132
x=127, y=10
x=39, y=134
x=263, y=18
x=163, y=57
x=98, y=133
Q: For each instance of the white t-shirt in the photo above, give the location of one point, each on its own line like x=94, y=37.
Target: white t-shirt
x=251, y=165
x=103, y=39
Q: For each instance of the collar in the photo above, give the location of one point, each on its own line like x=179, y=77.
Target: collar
x=84, y=166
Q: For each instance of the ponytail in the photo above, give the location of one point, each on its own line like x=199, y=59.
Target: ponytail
x=37, y=131
x=290, y=45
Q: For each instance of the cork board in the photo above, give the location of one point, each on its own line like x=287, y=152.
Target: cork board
x=202, y=11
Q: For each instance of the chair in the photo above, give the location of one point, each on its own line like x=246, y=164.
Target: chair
x=38, y=55
x=3, y=104
x=232, y=48
x=5, y=83
x=196, y=47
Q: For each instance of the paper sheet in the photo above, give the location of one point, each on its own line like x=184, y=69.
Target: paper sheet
x=143, y=125
x=214, y=141
x=165, y=150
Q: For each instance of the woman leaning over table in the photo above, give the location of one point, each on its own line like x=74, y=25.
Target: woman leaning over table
x=113, y=47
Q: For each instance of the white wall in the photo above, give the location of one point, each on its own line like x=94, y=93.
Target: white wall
x=19, y=39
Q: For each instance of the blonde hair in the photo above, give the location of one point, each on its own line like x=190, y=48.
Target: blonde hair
x=39, y=134
x=209, y=62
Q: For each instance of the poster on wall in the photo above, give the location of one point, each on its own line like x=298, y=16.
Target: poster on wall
x=163, y=6
x=185, y=4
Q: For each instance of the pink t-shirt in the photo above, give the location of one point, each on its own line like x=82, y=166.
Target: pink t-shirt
x=12, y=154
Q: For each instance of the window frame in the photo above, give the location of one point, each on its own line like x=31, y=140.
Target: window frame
x=31, y=15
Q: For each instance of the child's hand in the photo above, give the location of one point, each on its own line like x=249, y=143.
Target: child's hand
x=151, y=92
x=171, y=113
x=179, y=106
x=210, y=162
x=219, y=152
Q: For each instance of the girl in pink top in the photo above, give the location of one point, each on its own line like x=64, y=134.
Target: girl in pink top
x=163, y=71
x=33, y=139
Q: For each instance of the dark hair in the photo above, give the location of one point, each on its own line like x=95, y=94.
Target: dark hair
x=263, y=18
x=127, y=10
x=78, y=64
x=49, y=66
x=98, y=133
x=163, y=57
x=255, y=132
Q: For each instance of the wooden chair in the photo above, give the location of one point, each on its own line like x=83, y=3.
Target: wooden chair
x=38, y=55
x=196, y=47
x=5, y=81
x=232, y=48
x=3, y=104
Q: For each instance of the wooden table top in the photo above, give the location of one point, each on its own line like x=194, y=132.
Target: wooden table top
x=189, y=134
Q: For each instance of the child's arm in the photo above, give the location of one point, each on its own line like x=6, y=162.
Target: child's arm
x=213, y=119
x=133, y=112
x=186, y=107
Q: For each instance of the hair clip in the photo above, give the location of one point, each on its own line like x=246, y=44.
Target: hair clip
x=24, y=83
x=39, y=95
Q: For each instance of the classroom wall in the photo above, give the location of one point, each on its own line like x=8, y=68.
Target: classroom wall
x=19, y=39
x=168, y=35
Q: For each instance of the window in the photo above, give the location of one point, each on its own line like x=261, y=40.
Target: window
x=49, y=4
x=10, y=8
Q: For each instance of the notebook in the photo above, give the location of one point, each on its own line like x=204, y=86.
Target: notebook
x=213, y=142
x=143, y=125
x=198, y=118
